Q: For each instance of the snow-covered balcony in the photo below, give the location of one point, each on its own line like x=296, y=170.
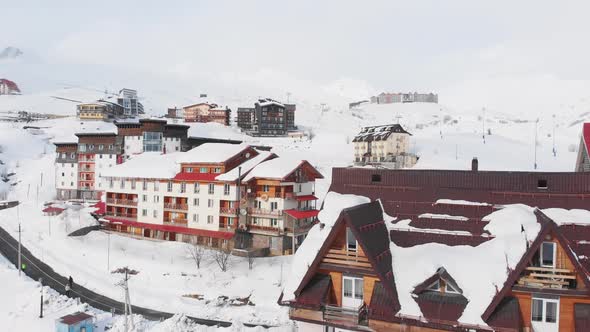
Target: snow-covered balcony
x=350, y=317
x=548, y=277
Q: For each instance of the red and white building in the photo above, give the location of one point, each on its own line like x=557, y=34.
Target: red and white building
x=222, y=195
x=207, y=112
x=8, y=87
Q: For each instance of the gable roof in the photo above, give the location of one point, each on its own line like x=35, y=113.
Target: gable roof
x=441, y=273
x=379, y=133
x=280, y=168
x=213, y=153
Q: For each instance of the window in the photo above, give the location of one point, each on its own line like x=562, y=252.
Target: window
x=347, y=287
x=189, y=169
x=156, y=184
x=152, y=141
x=100, y=148
x=144, y=198
x=299, y=187
x=435, y=286
x=195, y=201
x=132, y=184
x=144, y=185
x=211, y=188
x=82, y=147
x=210, y=203
x=548, y=254
x=376, y=178
x=545, y=310
x=110, y=183
x=226, y=189
x=541, y=184
x=63, y=174
x=155, y=213
x=110, y=146
x=351, y=243
x=204, y=170
x=156, y=199
x=169, y=188
x=197, y=188
x=254, y=221
x=217, y=170
x=273, y=205
x=265, y=188
x=122, y=183
x=358, y=288
x=144, y=212
x=195, y=217
x=91, y=147
x=274, y=222
x=183, y=187
x=209, y=219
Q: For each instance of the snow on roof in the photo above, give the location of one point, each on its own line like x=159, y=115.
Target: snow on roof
x=442, y=216
x=149, y=165
x=334, y=203
x=245, y=167
x=276, y=168
x=404, y=225
x=460, y=202
x=565, y=217
x=479, y=271
x=212, y=153
x=268, y=101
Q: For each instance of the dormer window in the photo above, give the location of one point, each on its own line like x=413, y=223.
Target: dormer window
x=351, y=242
x=443, y=286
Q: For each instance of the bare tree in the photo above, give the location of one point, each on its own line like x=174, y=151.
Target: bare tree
x=221, y=257
x=197, y=252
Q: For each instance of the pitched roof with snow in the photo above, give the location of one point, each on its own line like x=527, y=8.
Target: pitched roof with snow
x=267, y=102
x=379, y=133
x=212, y=153
x=278, y=168
x=148, y=165
x=10, y=84
x=246, y=167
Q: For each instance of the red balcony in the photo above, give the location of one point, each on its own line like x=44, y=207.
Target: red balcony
x=228, y=211
x=176, y=222
x=119, y=201
x=176, y=206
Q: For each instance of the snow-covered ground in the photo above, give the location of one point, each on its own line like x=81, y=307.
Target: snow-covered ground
x=166, y=271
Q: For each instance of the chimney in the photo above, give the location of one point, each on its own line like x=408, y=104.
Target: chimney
x=474, y=164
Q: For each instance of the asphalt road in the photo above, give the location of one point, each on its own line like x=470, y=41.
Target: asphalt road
x=36, y=269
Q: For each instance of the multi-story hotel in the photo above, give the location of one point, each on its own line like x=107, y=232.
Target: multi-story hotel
x=206, y=112
x=267, y=118
x=79, y=164
x=215, y=194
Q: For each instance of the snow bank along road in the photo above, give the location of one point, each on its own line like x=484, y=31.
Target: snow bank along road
x=36, y=269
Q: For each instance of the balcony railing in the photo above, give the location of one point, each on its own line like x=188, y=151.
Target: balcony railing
x=121, y=215
x=346, y=257
x=264, y=228
x=228, y=210
x=176, y=221
x=346, y=316
x=119, y=201
x=548, y=277
x=264, y=212
x=176, y=206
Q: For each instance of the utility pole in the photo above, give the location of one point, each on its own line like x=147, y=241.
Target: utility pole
x=108, y=252
x=19, y=241
x=536, y=127
x=41, y=307
x=128, y=312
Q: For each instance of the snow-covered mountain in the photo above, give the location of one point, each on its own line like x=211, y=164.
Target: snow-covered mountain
x=10, y=53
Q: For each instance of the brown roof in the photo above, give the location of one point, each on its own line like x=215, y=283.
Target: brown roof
x=75, y=318
x=582, y=317
x=314, y=293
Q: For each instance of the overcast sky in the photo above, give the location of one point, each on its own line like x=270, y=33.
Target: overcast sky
x=471, y=52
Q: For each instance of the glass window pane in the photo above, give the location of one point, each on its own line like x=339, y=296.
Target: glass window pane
x=547, y=252
x=347, y=286
x=435, y=286
x=537, y=310
x=350, y=240
x=358, y=289
x=550, y=312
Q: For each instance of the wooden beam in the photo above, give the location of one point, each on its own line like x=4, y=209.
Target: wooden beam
x=348, y=257
x=540, y=281
x=548, y=269
x=555, y=276
x=346, y=262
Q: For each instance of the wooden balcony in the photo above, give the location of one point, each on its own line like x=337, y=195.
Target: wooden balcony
x=228, y=211
x=343, y=257
x=265, y=213
x=175, y=206
x=176, y=222
x=122, y=215
x=547, y=277
x=270, y=229
x=346, y=316
x=119, y=201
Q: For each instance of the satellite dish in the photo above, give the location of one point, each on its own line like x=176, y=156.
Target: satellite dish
x=247, y=154
x=243, y=212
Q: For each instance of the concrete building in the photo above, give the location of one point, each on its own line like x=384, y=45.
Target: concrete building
x=99, y=110
x=207, y=112
x=130, y=102
x=96, y=153
x=583, y=160
x=387, y=145
x=8, y=87
x=221, y=195
x=151, y=135
x=267, y=118
x=66, y=170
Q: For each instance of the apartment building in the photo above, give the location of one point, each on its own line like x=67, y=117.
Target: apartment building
x=131, y=105
x=66, y=170
x=268, y=118
x=100, y=110
x=217, y=194
x=151, y=135
x=386, y=145
x=207, y=112
x=96, y=153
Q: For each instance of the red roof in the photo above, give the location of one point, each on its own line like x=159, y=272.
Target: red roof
x=174, y=229
x=75, y=318
x=586, y=136
x=302, y=214
x=183, y=176
x=306, y=198
x=52, y=209
x=11, y=85
x=101, y=208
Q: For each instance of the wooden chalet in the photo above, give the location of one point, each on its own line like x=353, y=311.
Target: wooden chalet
x=442, y=251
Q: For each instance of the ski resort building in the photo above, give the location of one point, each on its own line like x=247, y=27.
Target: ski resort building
x=221, y=195
x=8, y=87
x=387, y=145
x=99, y=110
x=206, y=112
x=432, y=250
x=583, y=161
x=131, y=105
x=151, y=135
x=267, y=118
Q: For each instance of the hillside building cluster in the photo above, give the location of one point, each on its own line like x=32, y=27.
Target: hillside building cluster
x=8, y=87
x=267, y=118
x=400, y=97
x=125, y=104
x=206, y=112
x=434, y=250
x=386, y=146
